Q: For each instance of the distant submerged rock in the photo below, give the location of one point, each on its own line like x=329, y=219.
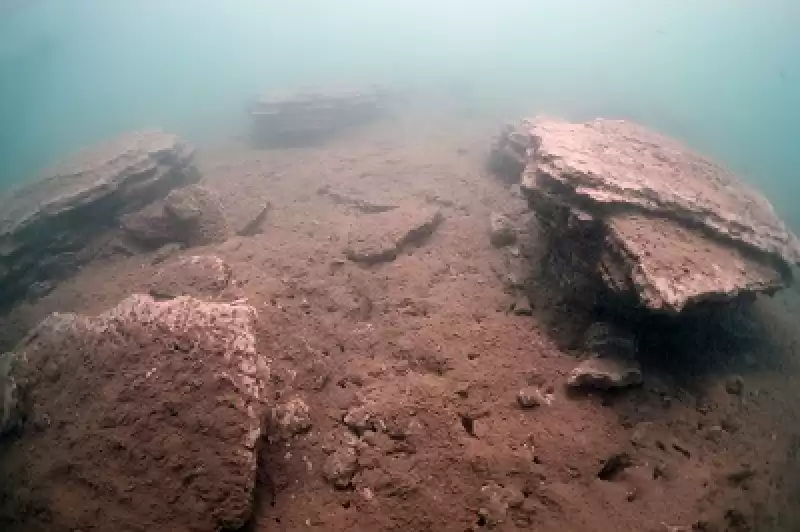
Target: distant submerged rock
x=639, y=218
x=50, y=227
x=311, y=116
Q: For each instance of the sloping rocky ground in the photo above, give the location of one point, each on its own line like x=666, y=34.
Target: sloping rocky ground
x=427, y=391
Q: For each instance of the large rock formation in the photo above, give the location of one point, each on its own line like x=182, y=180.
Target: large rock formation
x=145, y=417
x=310, y=116
x=50, y=227
x=635, y=217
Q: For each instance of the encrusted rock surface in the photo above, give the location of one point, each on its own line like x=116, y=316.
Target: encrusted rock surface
x=310, y=116
x=50, y=227
x=645, y=218
x=144, y=417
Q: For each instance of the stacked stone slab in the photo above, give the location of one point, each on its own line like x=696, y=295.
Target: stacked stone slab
x=309, y=116
x=632, y=217
x=50, y=227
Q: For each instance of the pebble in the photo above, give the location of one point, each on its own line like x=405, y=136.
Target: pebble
x=340, y=467
x=292, y=417
x=735, y=385
x=530, y=397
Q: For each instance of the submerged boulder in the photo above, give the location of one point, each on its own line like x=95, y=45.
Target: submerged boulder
x=311, y=116
x=50, y=227
x=189, y=215
x=636, y=217
x=144, y=417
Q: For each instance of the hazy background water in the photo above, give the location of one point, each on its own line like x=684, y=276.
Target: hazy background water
x=722, y=74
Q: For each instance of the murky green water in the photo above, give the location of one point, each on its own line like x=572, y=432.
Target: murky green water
x=722, y=74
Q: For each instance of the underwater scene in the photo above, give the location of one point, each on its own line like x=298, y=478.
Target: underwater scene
x=375, y=265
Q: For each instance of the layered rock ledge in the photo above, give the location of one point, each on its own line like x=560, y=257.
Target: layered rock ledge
x=50, y=227
x=636, y=217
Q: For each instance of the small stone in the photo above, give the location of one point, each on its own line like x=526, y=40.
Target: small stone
x=735, y=385
x=359, y=419
x=606, y=373
x=614, y=465
x=292, y=417
x=522, y=305
x=501, y=232
x=715, y=433
x=631, y=495
x=530, y=397
x=495, y=502
x=340, y=467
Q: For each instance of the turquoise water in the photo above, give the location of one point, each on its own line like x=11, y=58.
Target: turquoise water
x=722, y=74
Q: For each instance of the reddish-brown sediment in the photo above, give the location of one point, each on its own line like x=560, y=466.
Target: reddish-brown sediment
x=396, y=385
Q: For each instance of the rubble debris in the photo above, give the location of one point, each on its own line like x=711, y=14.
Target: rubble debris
x=637, y=219
x=161, y=401
x=384, y=236
x=52, y=226
x=307, y=117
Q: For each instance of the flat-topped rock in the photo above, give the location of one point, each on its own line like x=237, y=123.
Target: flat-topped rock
x=381, y=237
x=56, y=218
x=647, y=218
x=309, y=116
x=138, y=414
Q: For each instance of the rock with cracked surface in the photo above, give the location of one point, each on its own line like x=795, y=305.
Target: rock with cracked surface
x=153, y=406
x=50, y=227
x=644, y=219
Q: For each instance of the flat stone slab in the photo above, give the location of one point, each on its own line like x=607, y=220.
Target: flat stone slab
x=381, y=237
x=647, y=217
x=145, y=417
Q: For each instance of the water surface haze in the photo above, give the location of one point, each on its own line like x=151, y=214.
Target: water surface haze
x=722, y=74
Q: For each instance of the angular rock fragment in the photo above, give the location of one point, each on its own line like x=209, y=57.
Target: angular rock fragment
x=643, y=220
x=52, y=226
x=202, y=276
x=340, y=467
x=140, y=413
x=385, y=235
x=190, y=215
x=606, y=374
x=310, y=116
x=501, y=230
